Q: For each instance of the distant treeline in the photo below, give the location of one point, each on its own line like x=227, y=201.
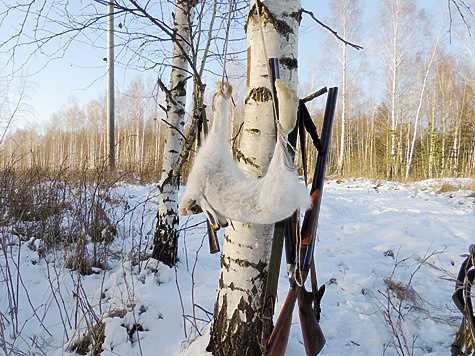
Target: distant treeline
x=444, y=145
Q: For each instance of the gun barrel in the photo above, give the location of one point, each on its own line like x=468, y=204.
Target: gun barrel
x=314, y=339
x=310, y=222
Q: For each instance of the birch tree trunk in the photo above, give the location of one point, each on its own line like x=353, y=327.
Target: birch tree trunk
x=418, y=113
x=344, y=86
x=432, y=135
x=166, y=231
x=395, y=62
x=457, y=135
x=239, y=327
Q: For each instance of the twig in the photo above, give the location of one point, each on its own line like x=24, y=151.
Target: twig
x=167, y=91
x=461, y=7
x=207, y=312
x=355, y=46
x=181, y=302
x=175, y=128
x=184, y=228
x=234, y=139
x=193, y=279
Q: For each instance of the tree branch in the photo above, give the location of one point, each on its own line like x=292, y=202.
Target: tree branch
x=310, y=13
x=461, y=7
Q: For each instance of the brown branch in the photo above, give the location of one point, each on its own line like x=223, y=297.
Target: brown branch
x=167, y=91
x=355, y=46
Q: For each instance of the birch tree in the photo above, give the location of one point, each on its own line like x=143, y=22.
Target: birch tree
x=239, y=327
x=347, y=13
x=419, y=109
x=166, y=232
x=399, y=34
x=395, y=71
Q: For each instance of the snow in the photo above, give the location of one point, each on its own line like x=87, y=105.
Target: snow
x=365, y=228
x=219, y=187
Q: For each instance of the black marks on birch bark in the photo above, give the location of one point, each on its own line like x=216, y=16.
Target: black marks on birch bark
x=233, y=288
x=165, y=244
x=255, y=132
x=259, y=94
x=296, y=15
x=243, y=333
x=241, y=245
x=180, y=88
x=224, y=264
x=180, y=111
x=260, y=266
x=249, y=161
x=289, y=62
x=268, y=17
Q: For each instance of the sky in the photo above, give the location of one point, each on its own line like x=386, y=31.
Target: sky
x=79, y=75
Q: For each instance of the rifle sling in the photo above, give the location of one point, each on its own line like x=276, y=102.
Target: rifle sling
x=310, y=126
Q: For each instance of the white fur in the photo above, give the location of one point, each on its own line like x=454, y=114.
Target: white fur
x=218, y=186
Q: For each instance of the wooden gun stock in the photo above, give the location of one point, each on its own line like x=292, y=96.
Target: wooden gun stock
x=310, y=221
x=313, y=338
x=279, y=338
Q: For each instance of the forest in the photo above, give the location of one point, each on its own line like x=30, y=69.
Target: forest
x=323, y=152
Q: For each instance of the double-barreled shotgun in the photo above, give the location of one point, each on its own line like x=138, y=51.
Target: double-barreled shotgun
x=304, y=242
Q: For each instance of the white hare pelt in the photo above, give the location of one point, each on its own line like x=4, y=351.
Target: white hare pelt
x=219, y=187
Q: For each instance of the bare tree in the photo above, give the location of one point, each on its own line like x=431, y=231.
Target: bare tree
x=347, y=13
x=419, y=109
x=166, y=232
x=239, y=327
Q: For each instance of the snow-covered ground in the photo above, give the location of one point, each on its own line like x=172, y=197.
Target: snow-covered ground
x=369, y=231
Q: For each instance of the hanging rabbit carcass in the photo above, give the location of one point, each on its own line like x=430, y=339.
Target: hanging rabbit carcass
x=224, y=192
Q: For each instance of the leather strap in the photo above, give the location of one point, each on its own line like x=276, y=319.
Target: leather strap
x=310, y=126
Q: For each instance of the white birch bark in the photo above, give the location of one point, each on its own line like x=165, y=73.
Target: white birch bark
x=344, y=87
x=166, y=235
x=432, y=134
x=238, y=321
x=395, y=13
x=418, y=112
x=457, y=135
